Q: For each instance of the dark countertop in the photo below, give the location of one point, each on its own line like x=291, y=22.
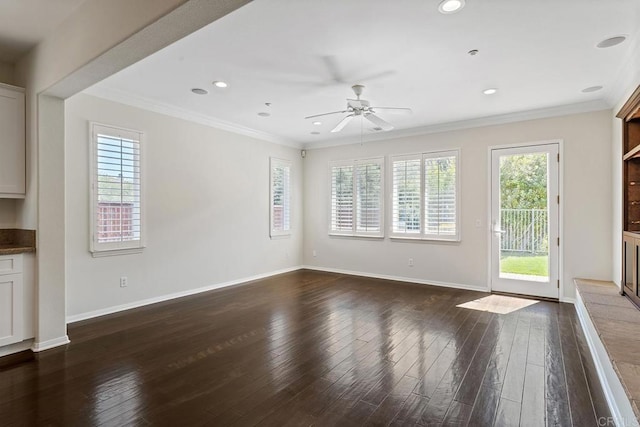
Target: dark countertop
x=17, y=241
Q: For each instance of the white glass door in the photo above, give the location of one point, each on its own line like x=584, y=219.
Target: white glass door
x=524, y=220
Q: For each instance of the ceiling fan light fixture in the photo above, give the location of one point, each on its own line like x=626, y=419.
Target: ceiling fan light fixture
x=490, y=91
x=450, y=6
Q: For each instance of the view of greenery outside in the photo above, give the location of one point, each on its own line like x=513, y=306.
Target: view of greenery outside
x=439, y=198
x=440, y=195
x=523, y=207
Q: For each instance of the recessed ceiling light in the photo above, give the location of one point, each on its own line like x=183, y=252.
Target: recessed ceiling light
x=611, y=41
x=264, y=114
x=473, y=52
x=450, y=6
x=317, y=123
x=199, y=91
x=220, y=84
x=377, y=129
x=591, y=89
x=490, y=91
x=315, y=132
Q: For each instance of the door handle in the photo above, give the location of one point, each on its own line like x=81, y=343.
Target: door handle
x=496, y=229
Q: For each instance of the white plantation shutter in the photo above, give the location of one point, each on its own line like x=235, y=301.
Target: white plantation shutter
x=369, y=196
x=425, y=196
x=406, y=206
x=440, y=188
x=280, y=211
x=356, y=203
x=116, y=202
x=342, y=198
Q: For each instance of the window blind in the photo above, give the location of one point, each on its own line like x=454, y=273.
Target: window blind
x=280, y=197
x=116, y=202
x=406, y=195
x=357, y=188
x=425, y=195
x=342, y=198
x=369, y=197
x=440, y=194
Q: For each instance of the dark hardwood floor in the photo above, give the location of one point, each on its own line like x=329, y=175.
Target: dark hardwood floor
x=311, y=348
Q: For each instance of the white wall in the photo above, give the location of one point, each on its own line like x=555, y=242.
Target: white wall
x=207, y=202
x=7, y=213
x=7, y=72
x=98, y=39
x=587, y=196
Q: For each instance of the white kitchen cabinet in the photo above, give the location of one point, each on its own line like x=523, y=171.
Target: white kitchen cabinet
x=12, y=142
x=11, y=299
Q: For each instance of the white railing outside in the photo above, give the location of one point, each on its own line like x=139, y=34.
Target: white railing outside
x=525, y=230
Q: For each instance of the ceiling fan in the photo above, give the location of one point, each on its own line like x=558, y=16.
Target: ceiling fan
x=361, y=107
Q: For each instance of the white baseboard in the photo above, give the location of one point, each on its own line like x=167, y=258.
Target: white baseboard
x=115, y=309
x=46, y=345
x=398, y=278
x=617, y=399
x=16, y=347
x=568, y=300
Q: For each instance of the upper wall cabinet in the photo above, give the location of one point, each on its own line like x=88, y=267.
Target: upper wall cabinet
x=12, y=142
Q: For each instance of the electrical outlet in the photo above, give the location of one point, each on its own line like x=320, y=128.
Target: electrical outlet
x=314, y=253
x=410, y=262
x=124, y=282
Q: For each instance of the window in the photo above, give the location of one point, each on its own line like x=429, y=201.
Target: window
x=425, y=196
x=356, y=197
x=280, y=197
x=116, y=189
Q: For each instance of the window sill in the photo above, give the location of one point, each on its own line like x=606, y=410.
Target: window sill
x=115, y=252
x=425, y=239
x=280, y=236
x=357, y=236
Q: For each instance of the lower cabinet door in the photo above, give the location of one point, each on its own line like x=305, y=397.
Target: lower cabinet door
x=10, y=309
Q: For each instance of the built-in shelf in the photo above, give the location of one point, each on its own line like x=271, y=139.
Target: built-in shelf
x=630, y=115
x=633, y=154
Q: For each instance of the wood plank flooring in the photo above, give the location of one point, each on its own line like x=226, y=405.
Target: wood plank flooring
x=312, y=348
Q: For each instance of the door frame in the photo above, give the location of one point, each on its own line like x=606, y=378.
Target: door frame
x=560, y=142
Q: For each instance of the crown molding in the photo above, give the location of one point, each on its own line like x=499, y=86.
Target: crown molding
x=541, y=113
x=123, y=97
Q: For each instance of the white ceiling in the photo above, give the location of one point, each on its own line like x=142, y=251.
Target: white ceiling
x=539, y=54
x=24, y=23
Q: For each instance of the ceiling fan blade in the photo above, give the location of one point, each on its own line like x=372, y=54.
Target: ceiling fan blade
x=334, y=71
x=378, y=121
x=342, y=123
x=325, y=114
x=394, y=110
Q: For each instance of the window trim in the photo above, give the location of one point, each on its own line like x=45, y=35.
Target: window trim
x=274, y=162
x=422, y=236
x=114, y=248
x=354, y=228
